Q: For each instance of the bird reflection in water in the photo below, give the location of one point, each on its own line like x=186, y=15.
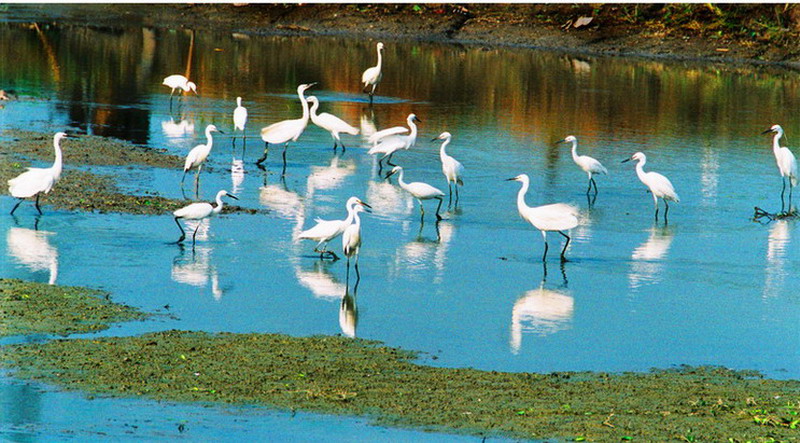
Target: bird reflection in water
x=777, y=245
x=318, y=279
x=32, y=249
x=348, y=311
x=193, y=267
x=416, y=256
x=237, y=175
x=283, y=202
x=176, y=132
x=329, y=177
x=540, y=312
x=648, y=257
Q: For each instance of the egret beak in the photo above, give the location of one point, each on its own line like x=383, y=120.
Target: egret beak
x=434, y=139
x=232, y=196
x=311, y=84
x=627, y=160
x=220, y=131
x=416, y=119
x=364, y=204
x=563, y=140
x=767, y=131
x=511, y=179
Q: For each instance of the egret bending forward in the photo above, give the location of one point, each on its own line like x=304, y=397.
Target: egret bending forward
x=787, y=163
x=452, y=168
x=326, y=230
x=391, y=142
x=197, y=156
x=420, y=191
x=588, y=164
x=239, y=120
x=176, y=81
x=351, y=240
x=372, y=76
x=35, y=181
x=199, y=211
x=557, y=217
x=330, y=123
x=287, y=130
x=659, y=185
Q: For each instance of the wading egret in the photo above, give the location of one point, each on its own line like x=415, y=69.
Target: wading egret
x=326, y=230
x=787, y=163
x=388, y=145
x=372, y=76
x=199, y=211
x=287, y=130
x=197, y=156
x=351, y=240
x=176, y=81
x=34, y=181
x=588, y=164
x=330, y=123
x=239, y=120
x=453, y=169
x=659, y=185
x=420, y=191
x=557, y=217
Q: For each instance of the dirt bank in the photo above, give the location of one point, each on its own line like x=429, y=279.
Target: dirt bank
x=733, y=32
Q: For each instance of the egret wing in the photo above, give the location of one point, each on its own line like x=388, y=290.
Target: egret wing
x=376, y=137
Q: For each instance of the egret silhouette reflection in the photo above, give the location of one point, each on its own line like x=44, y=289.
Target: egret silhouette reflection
x=542, y=312
x=348, y=311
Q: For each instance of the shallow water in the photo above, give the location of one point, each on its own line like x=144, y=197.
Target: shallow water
x=712, y=287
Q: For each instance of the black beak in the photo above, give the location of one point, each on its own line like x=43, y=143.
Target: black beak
x=364, y=204
x=311, y=84
x=559, y=142
x=767, y=131
x=510, y=179
x=626, y=160
x=220, y=131
x=434, y=139
x=232, y=196
x=417, y=119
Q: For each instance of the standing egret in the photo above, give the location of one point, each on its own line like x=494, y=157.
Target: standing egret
x=659, y=185
x=787, y=163
x=34, y=181
x=372, y=76
x=199, y=211
x=420, y=191
x=330, y=123
x=239, y=120
x=287, y=130
x=176, y=81
x=452, y=168
x=389, y=144
x=351, y=240
x=197, y=156
x=555, y=217
x=326, y=230
x=588, y=164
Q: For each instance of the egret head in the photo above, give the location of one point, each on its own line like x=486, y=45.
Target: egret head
x=394, y=170
x=303, y=87
x=380, y=46
x=223, y=193
x=361, y=209
x=568, y=139
x=774, y=128
x=312, y=99
x=636, y=157
x=443, y=136
x=238, y=101
x=413, y=118
x=192, y=86
x=520, y=178
x=212, y=128
x=59, y=136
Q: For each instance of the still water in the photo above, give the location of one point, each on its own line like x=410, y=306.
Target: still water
x=712, y=287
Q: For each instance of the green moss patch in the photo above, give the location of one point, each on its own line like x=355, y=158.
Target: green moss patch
x=37, y=308
x=355, y=377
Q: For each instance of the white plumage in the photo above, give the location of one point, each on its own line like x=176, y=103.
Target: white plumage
x=452, y=169
x=330, y=123
x=420, y=191
x=372, y=76
x=388, y=145
x=659, y=185
x=35, y=181
x=326, y=230
x=176, y=81
x=198, y=155
x=199, y=211
x=787, y=163
x=588, y=164
x=286, y=130
x=554, y=217
x=351, y=239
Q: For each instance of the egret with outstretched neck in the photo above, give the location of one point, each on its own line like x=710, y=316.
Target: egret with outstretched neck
x=176, y=81
x=327, y=230
x=36, y=181
x=453, y=169
x=287, y=130
x=557, y=217
x=330, y=123
x=351, y=240
x=372, y=76
x=420, y=191
x=197, y=156
x=659, y=185
x=389, y=144
x=239, y=120
x=199, y=211
x=787, y=163
x=588, y=164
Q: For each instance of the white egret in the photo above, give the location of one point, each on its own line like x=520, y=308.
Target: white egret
x=287, y=130
x=239, y=120
x=351, y=240
x=176, y=81
x=388, y=145
x=372, y=76
x=420, y=191
x=787, y=163
x=197, y=156
x=453, y=169
x=554, y=217
x=326, y=230
x=588, y=164
x=659, y=185
x=199, y=211
x=330, y=123
x=35, y=181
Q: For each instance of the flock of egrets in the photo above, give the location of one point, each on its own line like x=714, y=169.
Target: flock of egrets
x=558, y=217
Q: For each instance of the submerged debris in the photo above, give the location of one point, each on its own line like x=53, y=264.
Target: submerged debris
x=760, y=214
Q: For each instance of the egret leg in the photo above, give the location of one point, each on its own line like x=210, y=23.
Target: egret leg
x=37, y=203
x=358, y=274
x=590, y=186
x=380, y=166
x=450, y=194
x=783, y=190
x=343, y=146
x=456, y=186
x=790, y=194
x=389, y=160
x=195, y=234
x=334, y=145
x=347, y=276
x=591, y=180
x=666, y=211
x=544, y=236
x=439, y=217
x=183, y=178
x=655, y=201
x=183, y=233
x=563, y=258
x=284, y=159
x=263, y=157
x=15, y=206
x=197, y=183
x=421, y=208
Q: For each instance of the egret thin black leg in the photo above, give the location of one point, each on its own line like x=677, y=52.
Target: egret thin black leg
x=563, y=258
x=264, y=156
x=450, y=194
x=544, y=256
x=456, y=186
x=37, y=203
x=15, y=206
x=284, y=159
x=389, y=160
x=595, y=185
x=439, y=217
x=783, y=190
x=195, y=234
x=590, y=186
x=666, y=211
x=183, y=233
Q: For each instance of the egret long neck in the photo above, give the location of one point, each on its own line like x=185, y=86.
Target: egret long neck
x=575, y=150
x=209, y=140
x=217, y=209
x=521, y=205
x=640, y=169
x=412, y=137
x=400, y=181
x=351, y=213
x=304, y=103
x=314, y=107
x=776, y=141
x=380, y=60
x=442, y=152
x=57, y=163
